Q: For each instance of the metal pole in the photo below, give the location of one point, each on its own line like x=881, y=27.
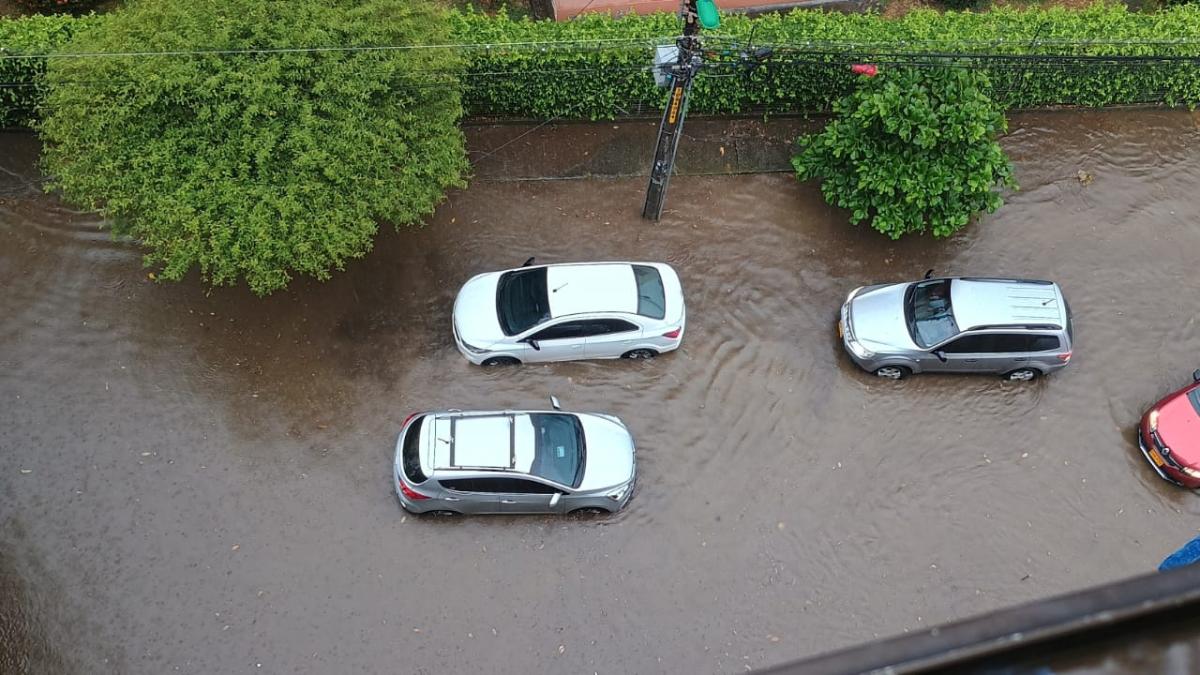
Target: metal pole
x=683, y=73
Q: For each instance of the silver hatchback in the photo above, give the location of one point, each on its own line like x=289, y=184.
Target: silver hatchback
x=513, y=462
x=1018, y=328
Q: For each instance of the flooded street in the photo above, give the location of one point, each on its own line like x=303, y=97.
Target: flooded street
x=200, y=482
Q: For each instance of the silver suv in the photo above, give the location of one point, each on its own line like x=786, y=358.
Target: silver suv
x=1018, y=328
x=513, y=462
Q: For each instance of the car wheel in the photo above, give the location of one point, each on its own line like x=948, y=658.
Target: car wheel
x=639, y=354
x=590, y=511
x=1022, y=375
x=500, y=361
x=441, y=513
x=892, y=372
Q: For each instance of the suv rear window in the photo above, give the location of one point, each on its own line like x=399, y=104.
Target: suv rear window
x=521, y=300
x=652, y=299
x=411, y=457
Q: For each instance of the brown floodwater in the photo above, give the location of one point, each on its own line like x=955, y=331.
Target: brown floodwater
x=200, y=482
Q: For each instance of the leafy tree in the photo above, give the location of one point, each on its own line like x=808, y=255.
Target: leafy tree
x=910, y=150
x=256, y=164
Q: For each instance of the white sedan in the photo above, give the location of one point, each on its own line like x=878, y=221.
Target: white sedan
x=601, y=310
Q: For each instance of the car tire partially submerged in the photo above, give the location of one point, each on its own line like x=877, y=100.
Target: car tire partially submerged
x=892, y=372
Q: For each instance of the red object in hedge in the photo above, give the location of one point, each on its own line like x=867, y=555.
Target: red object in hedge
x=867, y=69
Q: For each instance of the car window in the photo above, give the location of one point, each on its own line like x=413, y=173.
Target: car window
x=1194, y=397
x=652, y=298
x=1010, y=343
x=928, y=312
x=520, y=486
x=567, y=330
x=409, y=451
x=971, y=344
x=521, y=300
x=606, y=326
x=558, y=448
x=498, y=485
x=1044, y=343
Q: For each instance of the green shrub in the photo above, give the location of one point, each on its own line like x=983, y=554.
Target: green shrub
x=604, y=72
x=58, y=6
x=23, y=79
x=256, y=165
x=911, y=150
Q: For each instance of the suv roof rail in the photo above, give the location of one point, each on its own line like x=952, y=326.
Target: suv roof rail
x=1041, y=282
x=1025, y=326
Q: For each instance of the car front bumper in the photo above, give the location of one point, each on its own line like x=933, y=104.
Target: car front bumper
x=1164, y=470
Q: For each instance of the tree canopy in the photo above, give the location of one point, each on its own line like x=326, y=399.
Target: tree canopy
x=910, y=150
x=242, y=138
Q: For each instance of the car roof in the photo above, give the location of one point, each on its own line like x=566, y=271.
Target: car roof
x=500, y=441
x=1006, y=302
x=591, y=287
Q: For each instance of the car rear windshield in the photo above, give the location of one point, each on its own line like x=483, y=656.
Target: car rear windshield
x=411, y=452
x=652, y=299
x=521, y=300
x=928, y=313
x=558, y=448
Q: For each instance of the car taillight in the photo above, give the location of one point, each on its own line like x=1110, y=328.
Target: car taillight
x=1064, y=357
x=410, y=493
x=407, y=420
x=673, y=334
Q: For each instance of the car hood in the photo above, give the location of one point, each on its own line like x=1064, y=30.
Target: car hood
x=609, y=453
x=877, y=318
x=1179, y=427
x=475, y=311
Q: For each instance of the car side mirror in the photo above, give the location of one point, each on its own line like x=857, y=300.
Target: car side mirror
x=941, y=355
x=529, y=262
x=554, y=403
x=554, y=498
x=1196, y=375
x=533, y=343
x=928, y=273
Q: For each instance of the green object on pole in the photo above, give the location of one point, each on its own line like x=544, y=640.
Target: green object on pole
x=707, y=11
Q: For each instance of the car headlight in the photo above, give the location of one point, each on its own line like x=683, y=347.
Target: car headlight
x=858, y=350
x=1194, y=473
x=619, y=494
x=472, y=348
x=1152, y=420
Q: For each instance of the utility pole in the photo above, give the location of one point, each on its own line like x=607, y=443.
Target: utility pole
x=683, y=73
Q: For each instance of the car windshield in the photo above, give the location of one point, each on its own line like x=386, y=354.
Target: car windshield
x=558, y=448
x=652, y=299
x=521, y=300
x=928, y=313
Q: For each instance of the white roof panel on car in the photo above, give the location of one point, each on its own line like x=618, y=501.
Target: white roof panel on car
x=980, y=302
x=579, y=289
x=480, y=441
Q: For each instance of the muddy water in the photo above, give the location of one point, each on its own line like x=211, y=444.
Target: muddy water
x=200, y=482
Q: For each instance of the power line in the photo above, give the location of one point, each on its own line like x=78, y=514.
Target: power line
x=251, y=51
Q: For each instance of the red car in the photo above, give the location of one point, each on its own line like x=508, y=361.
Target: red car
x=1169, y=435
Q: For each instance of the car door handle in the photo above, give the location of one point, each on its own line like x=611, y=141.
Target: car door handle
x=970, y=360
x=508, y=501
x=452, y=499
x=1021, y=358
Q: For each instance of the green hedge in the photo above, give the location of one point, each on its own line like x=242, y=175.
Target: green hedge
x=21, y=79
x=600, y=79
x=603, y=73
